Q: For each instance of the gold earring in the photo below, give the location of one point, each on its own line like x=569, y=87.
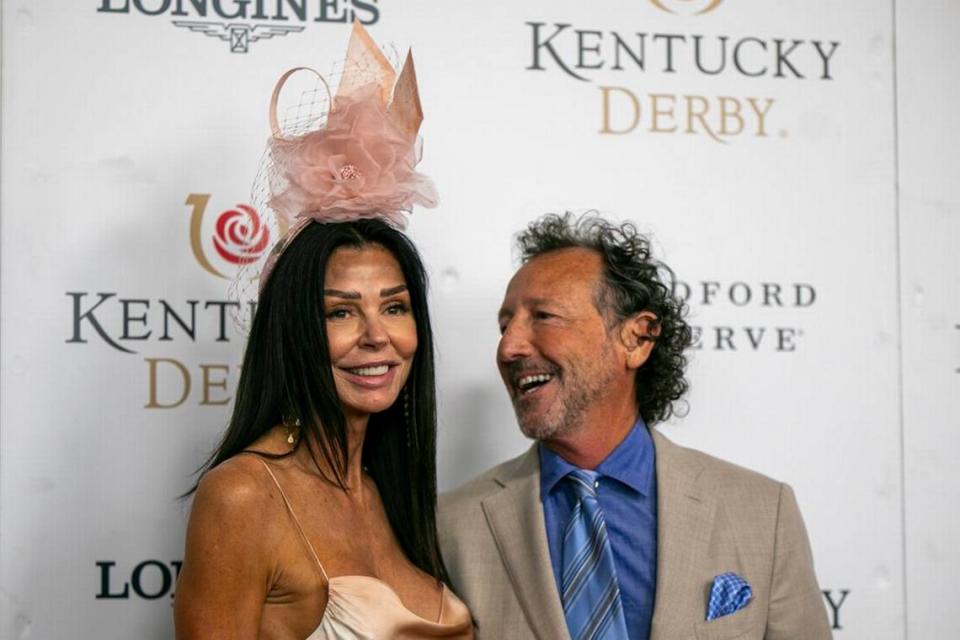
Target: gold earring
x=291, y=437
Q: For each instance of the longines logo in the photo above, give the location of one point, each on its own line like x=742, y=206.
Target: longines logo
x=605, y=56
x=221, y=19
x=150, y=580
x=687, y=7
x=238, y=35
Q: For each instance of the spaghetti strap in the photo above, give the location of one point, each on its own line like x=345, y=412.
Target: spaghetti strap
x=443, y=601
x=296, y=521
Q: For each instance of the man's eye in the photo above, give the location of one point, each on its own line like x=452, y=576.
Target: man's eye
x=543, y=315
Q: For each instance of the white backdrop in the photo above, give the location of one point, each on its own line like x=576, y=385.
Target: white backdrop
x=766, y=168
x=929, y=201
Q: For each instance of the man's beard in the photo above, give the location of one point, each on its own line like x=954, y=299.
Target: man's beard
x=578, y=390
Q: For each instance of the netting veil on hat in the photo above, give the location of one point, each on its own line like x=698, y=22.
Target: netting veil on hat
x=347, y=156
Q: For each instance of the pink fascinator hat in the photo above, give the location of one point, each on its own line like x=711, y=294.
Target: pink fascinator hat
x=355, y=158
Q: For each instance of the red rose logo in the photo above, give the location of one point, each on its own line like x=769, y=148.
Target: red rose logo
x=240, y=237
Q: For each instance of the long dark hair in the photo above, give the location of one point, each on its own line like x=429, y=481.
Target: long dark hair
x=287, y=376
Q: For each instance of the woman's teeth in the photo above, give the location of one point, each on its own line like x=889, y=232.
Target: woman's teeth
x=371, y=371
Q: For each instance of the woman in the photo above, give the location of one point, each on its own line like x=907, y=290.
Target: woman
x=334, y=532
x=316, y=516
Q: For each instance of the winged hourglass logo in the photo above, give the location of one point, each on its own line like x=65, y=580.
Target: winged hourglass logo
x=237, y=34
x=687, y=7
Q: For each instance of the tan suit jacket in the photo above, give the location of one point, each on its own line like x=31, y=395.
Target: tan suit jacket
x=712, y=517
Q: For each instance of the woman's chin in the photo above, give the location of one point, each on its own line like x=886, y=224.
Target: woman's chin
x=365, y=407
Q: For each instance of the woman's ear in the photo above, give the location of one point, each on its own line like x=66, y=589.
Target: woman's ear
x=638, y=333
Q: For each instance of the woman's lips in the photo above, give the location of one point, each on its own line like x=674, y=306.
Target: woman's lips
x=371, y=376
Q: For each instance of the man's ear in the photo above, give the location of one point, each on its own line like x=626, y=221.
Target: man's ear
x=638, y=334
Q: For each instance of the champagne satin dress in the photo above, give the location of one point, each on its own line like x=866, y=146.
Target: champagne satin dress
x=367, y=608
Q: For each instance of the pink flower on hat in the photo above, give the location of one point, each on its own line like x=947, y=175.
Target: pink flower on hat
x=361, y=164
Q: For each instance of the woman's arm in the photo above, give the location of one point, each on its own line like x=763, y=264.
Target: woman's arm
x=228, y=563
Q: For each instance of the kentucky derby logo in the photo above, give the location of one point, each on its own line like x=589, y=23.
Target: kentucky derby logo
x=239, y=235
x=687, y=7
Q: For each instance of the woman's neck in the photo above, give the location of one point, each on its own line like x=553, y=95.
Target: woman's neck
x=356, y=433
x=312, y=459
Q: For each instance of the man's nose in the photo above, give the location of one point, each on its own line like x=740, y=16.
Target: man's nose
x=514, y=342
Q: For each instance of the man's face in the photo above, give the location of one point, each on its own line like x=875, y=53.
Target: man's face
x=560, y=364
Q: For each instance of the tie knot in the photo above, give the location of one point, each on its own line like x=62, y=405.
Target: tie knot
x=584, y=482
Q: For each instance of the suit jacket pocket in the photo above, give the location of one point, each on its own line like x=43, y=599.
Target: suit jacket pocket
x=742, y=625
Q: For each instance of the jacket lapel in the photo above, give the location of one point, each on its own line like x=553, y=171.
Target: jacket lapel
x=515, y=517
x=686, y=507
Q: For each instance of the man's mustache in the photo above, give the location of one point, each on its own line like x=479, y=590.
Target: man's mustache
x=529, y=366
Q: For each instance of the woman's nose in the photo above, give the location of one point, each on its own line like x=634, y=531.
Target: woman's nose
x=374, y=334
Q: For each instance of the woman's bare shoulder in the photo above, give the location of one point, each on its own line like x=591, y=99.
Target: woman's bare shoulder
x=230, y=552
x=239, y=486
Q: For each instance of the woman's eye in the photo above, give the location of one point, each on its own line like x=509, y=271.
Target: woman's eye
x=397, y=309
x=338, y=314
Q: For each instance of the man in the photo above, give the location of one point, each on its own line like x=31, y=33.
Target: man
x=604, y=528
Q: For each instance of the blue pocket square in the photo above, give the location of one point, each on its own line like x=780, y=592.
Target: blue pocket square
x=729, y=594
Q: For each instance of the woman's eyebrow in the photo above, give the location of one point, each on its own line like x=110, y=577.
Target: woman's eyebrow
x=392, y=290
x=349, y=295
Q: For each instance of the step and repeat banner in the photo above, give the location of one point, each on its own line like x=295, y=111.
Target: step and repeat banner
x=755, y=142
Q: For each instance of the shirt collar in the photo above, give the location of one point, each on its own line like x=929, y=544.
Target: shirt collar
x=630, y=463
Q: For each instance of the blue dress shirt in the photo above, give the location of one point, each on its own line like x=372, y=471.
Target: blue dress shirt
x=628, y=497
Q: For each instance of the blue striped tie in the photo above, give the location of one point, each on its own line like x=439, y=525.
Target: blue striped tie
x=590, y=591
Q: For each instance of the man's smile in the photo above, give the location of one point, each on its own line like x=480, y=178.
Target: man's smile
x=528, y=383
